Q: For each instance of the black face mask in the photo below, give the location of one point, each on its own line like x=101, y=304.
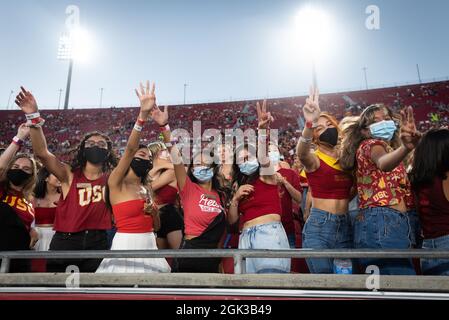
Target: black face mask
x=96, y=155
x=329, y=136
x=17, y=176
x=141, y=167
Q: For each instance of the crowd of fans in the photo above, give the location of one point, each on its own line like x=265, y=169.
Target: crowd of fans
x=350, y=170
x=66, y=127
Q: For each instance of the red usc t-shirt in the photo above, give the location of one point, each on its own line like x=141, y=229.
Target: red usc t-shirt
x=200, y=206
x=84, y=208
x=286, y=200
x=21, y=206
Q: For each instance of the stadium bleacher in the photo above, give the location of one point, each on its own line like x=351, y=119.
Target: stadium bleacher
x=65, y=128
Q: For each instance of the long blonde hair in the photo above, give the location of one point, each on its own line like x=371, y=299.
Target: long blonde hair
x=356, y=133
x=156, y=147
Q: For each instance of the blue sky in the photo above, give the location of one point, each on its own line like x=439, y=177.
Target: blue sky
x=224, y=50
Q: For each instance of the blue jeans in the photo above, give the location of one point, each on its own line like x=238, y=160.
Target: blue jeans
x=265, y=236
x=435, y=267
x=383, y=228
x=353, y=209
x=324, y=230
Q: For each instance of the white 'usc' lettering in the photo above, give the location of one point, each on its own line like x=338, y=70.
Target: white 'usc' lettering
x=89, y=194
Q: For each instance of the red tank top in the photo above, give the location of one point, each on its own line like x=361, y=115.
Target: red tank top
x=130, y=217
x=84, y=207
x=45, y=215
x=166, y=195
x=329, y=181
x=434, y=210
x=265, y=199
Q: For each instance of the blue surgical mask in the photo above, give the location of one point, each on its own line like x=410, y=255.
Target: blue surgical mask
x=249, y=167
x=275, y=157
x=203, y=174
x=383, y=130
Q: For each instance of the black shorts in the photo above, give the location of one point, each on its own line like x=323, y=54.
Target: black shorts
x=171, y=220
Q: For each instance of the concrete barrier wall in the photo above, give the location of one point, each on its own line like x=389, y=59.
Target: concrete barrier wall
x=249, y=281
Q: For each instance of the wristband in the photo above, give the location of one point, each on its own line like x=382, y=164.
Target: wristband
x=35, y=123
x=140, y=122
x=17, y=141
x=31, y=116
x=164, y=128
x=35, y=120
x=138, y=128
x=305, y=140
x=311, y=125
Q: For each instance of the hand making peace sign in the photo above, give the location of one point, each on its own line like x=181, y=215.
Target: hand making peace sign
x=311, y=109
x=264, y=118
x=409, y=135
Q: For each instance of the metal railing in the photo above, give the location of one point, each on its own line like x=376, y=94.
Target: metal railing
x=237, y=254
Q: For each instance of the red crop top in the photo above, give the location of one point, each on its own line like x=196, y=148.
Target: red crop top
x=45, y=215
x=130, y=217
x=265, y=199
x=329, y=181
x=166, y=195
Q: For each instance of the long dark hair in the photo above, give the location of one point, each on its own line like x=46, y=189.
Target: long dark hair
x=217, y=181
x=146, y=181
x=40, y=189
x=354, y=134
x=238, y=178
x=431, y=158
x=79, y=160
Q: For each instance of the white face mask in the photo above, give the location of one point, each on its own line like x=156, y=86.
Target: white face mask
x=275, y=157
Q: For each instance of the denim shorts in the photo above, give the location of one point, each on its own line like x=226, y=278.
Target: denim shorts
x=384, y=228
x=266, y=236
x=324, y=230
x=435, y=267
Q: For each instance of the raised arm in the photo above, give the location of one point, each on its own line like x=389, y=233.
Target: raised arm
x=26, y=101
x=410, y=138
x=311, y=114
x=242, y=192
x=12, y=150
x=264, y=120
x=161, y=118
x=147, y=100
x=164, y=179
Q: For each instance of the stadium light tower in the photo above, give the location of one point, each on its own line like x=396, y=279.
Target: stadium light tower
x=185, y=92
x=101, y=97
x=9, y=99
x=73, y=46
x=314, y=32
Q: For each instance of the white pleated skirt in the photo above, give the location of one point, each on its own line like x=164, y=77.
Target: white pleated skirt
x=45, y=236
x=134, y=241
